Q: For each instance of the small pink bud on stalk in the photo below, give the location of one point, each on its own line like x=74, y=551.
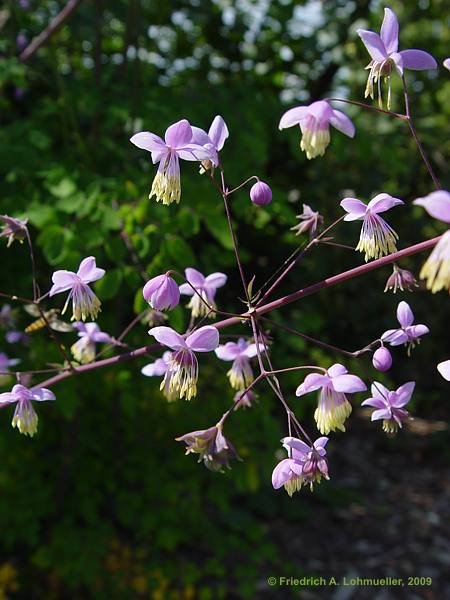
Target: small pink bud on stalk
x=382, y=359
x=260, y=193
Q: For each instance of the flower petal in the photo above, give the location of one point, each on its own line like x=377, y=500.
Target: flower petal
x=418, y=330
x=88, y=271
x=374, y=402
x=148, y=141
x=215, y=280
x=179, y=134
x=312, y=382
x=374, y=44
x=403, y=394
x=348, y=384
x=337, y=369
x=281, y=473
x=228, y=351
x=204, y=339
x=437, y=204
x=444, y=369
x=42, y=394
x=389, y=31
x=383, y=413
x=194, y=277
x=379, y=391
x=293, y=117
x=199, y=136
x=342, y=123
x=7, y=397
x=354, y=207
x=168, y=337
x=156, y=368
x=383, y=202
x=296, y=444
x=186, y=289
x=218, y=132
x=405, y=315
x=395, y=337
x=418, y=60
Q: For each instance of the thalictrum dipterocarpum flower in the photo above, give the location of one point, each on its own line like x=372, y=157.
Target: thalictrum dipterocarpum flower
x=203, y=291
x=84, y=302
x=382, y=359
x=383, y=50
x=436, y=270
x=182, y=373
x=333, y=408
x=401, y=279
x=90, y=334
x=162, y=292
x=212, y=141
x=212, y=447
x=390, y=405
x=240, y=374
x=314, y=121
x=25, y=417
x=158, y=368
x=407, y=334
x=444, y=369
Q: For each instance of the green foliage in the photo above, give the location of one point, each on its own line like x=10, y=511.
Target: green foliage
x=103, y=503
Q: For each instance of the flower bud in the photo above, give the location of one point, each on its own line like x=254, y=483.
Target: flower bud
x=161, y=292
x=260, y=193
x=382, y=359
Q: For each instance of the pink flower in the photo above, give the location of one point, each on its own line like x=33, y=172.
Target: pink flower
x=310, y=220
x=212, y=141
x=240, y=374
x=84, y=302
x=158, y=368
x=408, y=333
x=212, y=447
x=382, y=359
x=401, y=279
x=260, y=193
x=204, y=293
x=90, y=334
x=314, y=121
x=444, y=369
x=333, y=408
x=25, y=417
x=377, y=237
x=162, y=292
x=390, y=405
x=182, y=372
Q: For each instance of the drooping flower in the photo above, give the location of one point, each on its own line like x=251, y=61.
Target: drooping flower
x=162, y=292
x=383, y=50
x=13, y=229
x=178, y=143
x=244, y=399
x=390, y=405
x=90, y=334
x=310, y=220
x=314, y=121
x=158, y=368
x=240, y=374
x=444, y=369
x=25, y=417
x=205, y=291
x=6, y=363
x=377, y=237
x=401, y=279
x=260, y=193
x=436, y=270
x=212, y=447
x=182, y=373
x=84, y=302
x=305, y=465
x=212, y=141
x=382, y=359
x=407, y=334
x=333, y=408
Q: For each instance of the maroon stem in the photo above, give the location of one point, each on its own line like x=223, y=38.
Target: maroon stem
x=55, y=24
x=275, y=304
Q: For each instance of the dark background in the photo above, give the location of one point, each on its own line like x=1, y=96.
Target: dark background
x=102, y=503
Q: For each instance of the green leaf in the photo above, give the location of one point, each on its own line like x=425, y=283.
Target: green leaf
x=218, y=227
x=53, y=241
x=66, y=187
x=108, y=286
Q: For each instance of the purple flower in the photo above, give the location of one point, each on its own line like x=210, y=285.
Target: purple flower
x=446, y=63
x=16, y=337
x=444, y=369
x=182, y=373
x=21, y=41
x=383, y=52
x=89, y=334
x=159, y=368
x=390, y=405
x=84, y=302
x=305, y=465
x=377, y=237
x=309, y=221
x=244, y=399
x=333, y=408
x=25, y=417
x=13, y=229
x=436, y=270
x=401, y=279
x=177, y=143
x=206, y=288
x=212, y=447
x=162, y=292
x=212, y=141
x=260, y=193
x=240, y=374
x=7, y=320
x=6, y=362
x=382, y=359
x=314, y=121
x=25, y=4
x=408, y=333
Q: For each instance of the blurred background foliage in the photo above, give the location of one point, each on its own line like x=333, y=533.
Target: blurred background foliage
x=102, y=502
